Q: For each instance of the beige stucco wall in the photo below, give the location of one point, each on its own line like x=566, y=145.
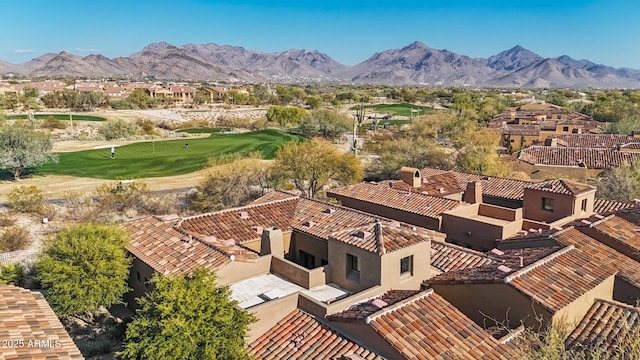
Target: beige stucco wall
x=309, y=244
x=575, y=311
x=564, y=205
x=255, y=244
x=239, y=270
x=487, y=303
x=370, y=264
x=269, y=313
x=462, y=228
x=390, y=269
x=299, y=274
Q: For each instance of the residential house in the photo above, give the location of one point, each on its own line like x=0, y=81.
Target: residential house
x=284, y=252
x=29, y=329
x=417, y=325
x=543, y=162
x=533, y=286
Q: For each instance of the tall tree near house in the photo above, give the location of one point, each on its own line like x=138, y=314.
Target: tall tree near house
x=22, y=148
x=620, y=183
x=478, y=154
x=188, y=317
x=83, y=268
x=315, y=164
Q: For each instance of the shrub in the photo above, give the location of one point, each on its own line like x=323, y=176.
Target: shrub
x=6, y=220
x=118, y=129
x=147, y=127
x=52, y=123
x=14, y=238
x=12, y=274
x=27, y=199
x=121, y=196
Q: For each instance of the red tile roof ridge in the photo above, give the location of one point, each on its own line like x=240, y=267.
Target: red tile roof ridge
x=465, y=249
x=232, y=255
x=538, y=263
x=618, y=304
x=239, y=208
x=398, y=305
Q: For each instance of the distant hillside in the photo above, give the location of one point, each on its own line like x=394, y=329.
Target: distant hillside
x=415, y=64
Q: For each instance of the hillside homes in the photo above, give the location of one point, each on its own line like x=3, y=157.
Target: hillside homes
x=532, y=123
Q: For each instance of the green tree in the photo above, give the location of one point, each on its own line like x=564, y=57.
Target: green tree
x=285, y=116
x=141, y=99
x=188, y=317
x=90, y=100
x=479, y=154
x=22, y=148
x=620, y=183
x=315, y=164
x=84, y=268
x=325, y=123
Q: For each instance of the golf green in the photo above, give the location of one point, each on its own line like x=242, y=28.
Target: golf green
x=164, y=158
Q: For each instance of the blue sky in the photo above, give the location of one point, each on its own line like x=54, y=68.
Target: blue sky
x=349, y=31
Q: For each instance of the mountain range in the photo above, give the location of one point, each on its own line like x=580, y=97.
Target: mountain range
x=415, y=64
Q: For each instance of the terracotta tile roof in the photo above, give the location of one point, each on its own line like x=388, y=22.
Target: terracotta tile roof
x=321, y=219
x=425, y=326
x=616, y=233
x=381, y=194
x=574, y=156
x=158, y=244
x=359, y=311
x=630, y=146
x=507, y=262
x=301, y=336
x=438, y=185
x=240, y=223
x=600, y=254
x=491, y=186
x=604, y=206
x=562, y=186
x=380, y=239
x=609, y=141
x=26, y=316
x=447, y=257
x=559, y=279
x=608, y=325
x=554, y=280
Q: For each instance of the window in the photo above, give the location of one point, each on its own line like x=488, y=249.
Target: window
x=565, y=129
x=547, y=204
x=138, y=275
x=307, y=260
x=353, y=267
x=352, y=263
x=584, y=205
x=406, y=265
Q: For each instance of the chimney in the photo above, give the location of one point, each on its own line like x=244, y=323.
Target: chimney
x=473, y=194
x=410, y=176
x=272, y=242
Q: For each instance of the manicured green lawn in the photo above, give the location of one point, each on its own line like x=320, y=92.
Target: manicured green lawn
x=164, y=158
x=403, y=109
x=58, y=117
